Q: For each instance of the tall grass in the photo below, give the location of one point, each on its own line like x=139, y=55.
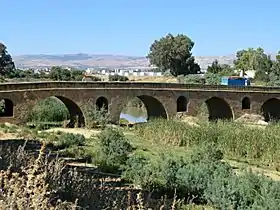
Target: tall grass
x=41, y=183
x=236, y=140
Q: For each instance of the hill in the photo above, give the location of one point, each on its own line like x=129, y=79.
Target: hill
x=82, y=60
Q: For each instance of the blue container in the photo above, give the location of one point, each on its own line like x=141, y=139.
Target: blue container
x=235, y=81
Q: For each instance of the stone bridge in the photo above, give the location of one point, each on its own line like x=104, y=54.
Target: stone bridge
x=161, y=99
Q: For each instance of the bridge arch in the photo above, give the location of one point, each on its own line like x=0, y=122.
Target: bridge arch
x=271, y=110
x=65, y=107
x=182, y=104
x=102, y=103
x=246, y=103
x=76, y=114
x=7, y=108
x=154, y=107
x=142, y=108
x=218, y=109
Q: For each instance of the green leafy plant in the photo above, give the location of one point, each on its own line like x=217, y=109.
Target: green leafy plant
x=113, y=150
x=118, y=78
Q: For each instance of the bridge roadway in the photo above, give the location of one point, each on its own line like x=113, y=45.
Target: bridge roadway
x=160, y=99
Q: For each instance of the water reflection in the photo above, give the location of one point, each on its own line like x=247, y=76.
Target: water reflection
x=133, y=119
x=134, y=112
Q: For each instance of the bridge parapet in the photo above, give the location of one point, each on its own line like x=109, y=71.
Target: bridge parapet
x=128, y=85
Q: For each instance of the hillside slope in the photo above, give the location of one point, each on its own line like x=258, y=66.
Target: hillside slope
x=82, y=60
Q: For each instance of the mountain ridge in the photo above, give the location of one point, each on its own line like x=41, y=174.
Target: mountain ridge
x=85, y=60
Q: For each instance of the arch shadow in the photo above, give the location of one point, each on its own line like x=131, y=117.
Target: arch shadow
x=102, y=103
x=218, y=109
x=76, y=114
x=182, y=104
x=155, y=108
x=271, y=110
x=246, y=103
x=7, y=108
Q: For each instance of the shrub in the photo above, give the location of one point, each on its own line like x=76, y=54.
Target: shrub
x=191, y=79
x=94, y=78
x=168, y=171
x=118, y=78
x=144, y=171
x=192, y=179
x=247, y=191
x=213, y=79
x=66, y=140
x=114, y=149
x=95, y=118
x=49, y=110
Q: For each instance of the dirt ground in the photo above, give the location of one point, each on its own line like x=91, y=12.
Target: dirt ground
x=86, y=132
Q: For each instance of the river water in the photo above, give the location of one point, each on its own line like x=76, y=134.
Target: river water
x=133, y=119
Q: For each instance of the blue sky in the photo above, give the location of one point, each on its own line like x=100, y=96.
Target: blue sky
x=127, y=27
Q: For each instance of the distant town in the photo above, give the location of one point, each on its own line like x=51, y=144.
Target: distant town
x=150, y=71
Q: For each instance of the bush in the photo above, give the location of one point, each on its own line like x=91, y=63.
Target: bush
x=213, y=79
x=94, y=78
x=191, y=79
x=49, y=110
x=66, y=140
x=113, y=149
x=248, y=191
x=167, y=171
x=96, y=118
x=144, y=171
x=118, y=78
x=202, y=179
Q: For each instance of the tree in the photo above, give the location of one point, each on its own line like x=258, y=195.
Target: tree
x=215, y=68
x=216, y=71
x=7, y=65
x=62, y=74
x=173, y=53
x=274, y=75
x=59, y=73
x=254, y=59
x=221, y=69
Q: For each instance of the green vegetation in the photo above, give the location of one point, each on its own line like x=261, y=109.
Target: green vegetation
x=66, y=140
x=96, y=118
x=7, y=65
x=59, y=73
x=113, y=151
x=161, y=157
x=191, y=79
x=173, y=155
x=49, y=110
x=168, y=156
x=237, y=141
x=118, y=78
x=174, y=53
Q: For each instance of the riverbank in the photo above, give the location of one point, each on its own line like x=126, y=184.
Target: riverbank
x=154, y=144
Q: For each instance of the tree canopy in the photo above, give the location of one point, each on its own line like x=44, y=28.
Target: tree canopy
x=7, y=65
x=173, y=53
x=254, y=59
x=63, y=74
